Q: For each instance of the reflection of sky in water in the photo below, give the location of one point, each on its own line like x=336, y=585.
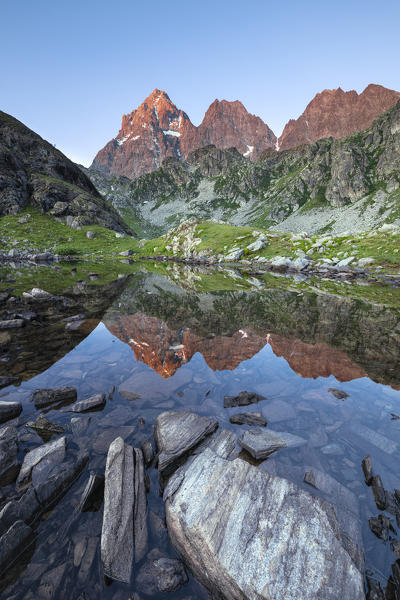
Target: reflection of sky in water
x=339, y=433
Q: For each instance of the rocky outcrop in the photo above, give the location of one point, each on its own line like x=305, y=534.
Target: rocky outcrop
x=247, y=535
x=124, y=532
x=34, y=173
x=158, y=129
x=337, y=114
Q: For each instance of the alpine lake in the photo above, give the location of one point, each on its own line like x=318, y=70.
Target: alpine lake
x=323, y=355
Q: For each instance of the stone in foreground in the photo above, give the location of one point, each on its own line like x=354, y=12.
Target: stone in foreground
x=250, y=418
x=124, y=531
x=94, y=402
x=260, y=443
x=176, y=434
x=45, y=397
x=247, y=535
x=9, y=410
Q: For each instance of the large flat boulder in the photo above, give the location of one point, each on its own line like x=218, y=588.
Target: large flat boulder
x=176, y=434
x=124, y=531
x=248, y=535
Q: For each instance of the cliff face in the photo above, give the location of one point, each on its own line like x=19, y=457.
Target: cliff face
x=34, y=173
x=337, y=114
x=158, y=129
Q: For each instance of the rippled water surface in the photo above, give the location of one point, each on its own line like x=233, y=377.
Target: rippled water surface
x=163, y=342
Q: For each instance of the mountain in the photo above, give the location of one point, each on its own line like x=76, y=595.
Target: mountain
x=158, y=129
x=34, y=173
x=351, y=184
x=337, y=114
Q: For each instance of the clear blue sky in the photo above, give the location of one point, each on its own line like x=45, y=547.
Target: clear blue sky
x=70, y=69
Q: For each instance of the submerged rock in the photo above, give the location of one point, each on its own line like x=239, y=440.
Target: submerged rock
x=93, y=493
x=250, y=418
x=9, y=410
x=8, y=452
x=44, y=427
x=339, y=394
x=52, y=453
x=246, y=534
x=176, y=434
x=261, y=443
x=160, y=574
x=13, y=542
x=242, y=399
x=124, y=531
x=44, y=397
x=147, y=450
x=96, y=401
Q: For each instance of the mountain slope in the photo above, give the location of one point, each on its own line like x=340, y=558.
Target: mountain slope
x=34, y=173
x=337, y=114
x=351, y=184
x=158, y=130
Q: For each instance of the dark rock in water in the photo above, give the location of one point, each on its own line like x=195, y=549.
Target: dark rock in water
x=52, y=453
x=147, y=450
x=5, y=380
x=367, y=469
x=236, y=528
x=339, y=394
x=394, y=417
x=374, y=590
x=24, y=509
x=124, y=517
x=92, y=494
x=309, y=477
x=379, y=492
x=44, y=397
x=397, y=495
x=8, y=454
x=260, y=443
x=242, y=399
x=13, y=542
x=381, y=526
x=12, y=324
x=176, y=434
x=56, y=486
x=160, y=574
x=88, y=559
x=251, y=418
x=94, y=402
x=45, y=428
x=9, y=410
x=50, y=583
x=129, y=395
x=79, y=425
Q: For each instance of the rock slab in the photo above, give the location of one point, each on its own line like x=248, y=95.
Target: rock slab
x=45, y=397
x=176, y=434
x=247, y=535
x=260, y=443
x=53, y=452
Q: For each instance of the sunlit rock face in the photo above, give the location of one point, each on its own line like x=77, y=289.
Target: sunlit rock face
x=157, y=129
x=337, y=114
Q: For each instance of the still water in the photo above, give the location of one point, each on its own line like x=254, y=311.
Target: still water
x=152, y=343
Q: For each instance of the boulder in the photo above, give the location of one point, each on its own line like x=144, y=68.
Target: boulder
x=160, y=575
x=234, y=255
x=247, y=535
x=38, y=294
x=257, y=245
x=94, y=402
x=9, y=410
x=124, y=518
x=52, y=453
x=260, y=443
x=45, y=397
x=128, y=252
x=250, y=418
x=176, y=434
x=242, y=399
x=90, y=235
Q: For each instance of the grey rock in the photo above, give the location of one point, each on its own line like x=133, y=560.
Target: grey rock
x=126, y=252
x=124, y=526
x=38, y=294
x=13, y=542
x=234, y=255
x=44, y=427
x=88, y=559
x=52, y=453
x=379, y=492
x=79, y=425
x=242, y=399
x=45, y=397
x=367, y=469
x=94, y=402
x=93, y=493
x=50, y=583
x=90, y=235
x=12, y=324
x=339, y=394
x=250, y=418
x=260, y=443
x=9, y=410
x=176, y=434
x=257, y=245
x=267, y=538
x=160, y=574
x=223, y=444
x=24, y=509
x=57, y=484
x=6, y=380
x=147, y=450
x=299, y=264
x=8, y=452
x=309, y=477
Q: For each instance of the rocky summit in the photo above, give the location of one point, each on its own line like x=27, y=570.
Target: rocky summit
x=34, y=173
x=158, y=129
x=337, y=114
